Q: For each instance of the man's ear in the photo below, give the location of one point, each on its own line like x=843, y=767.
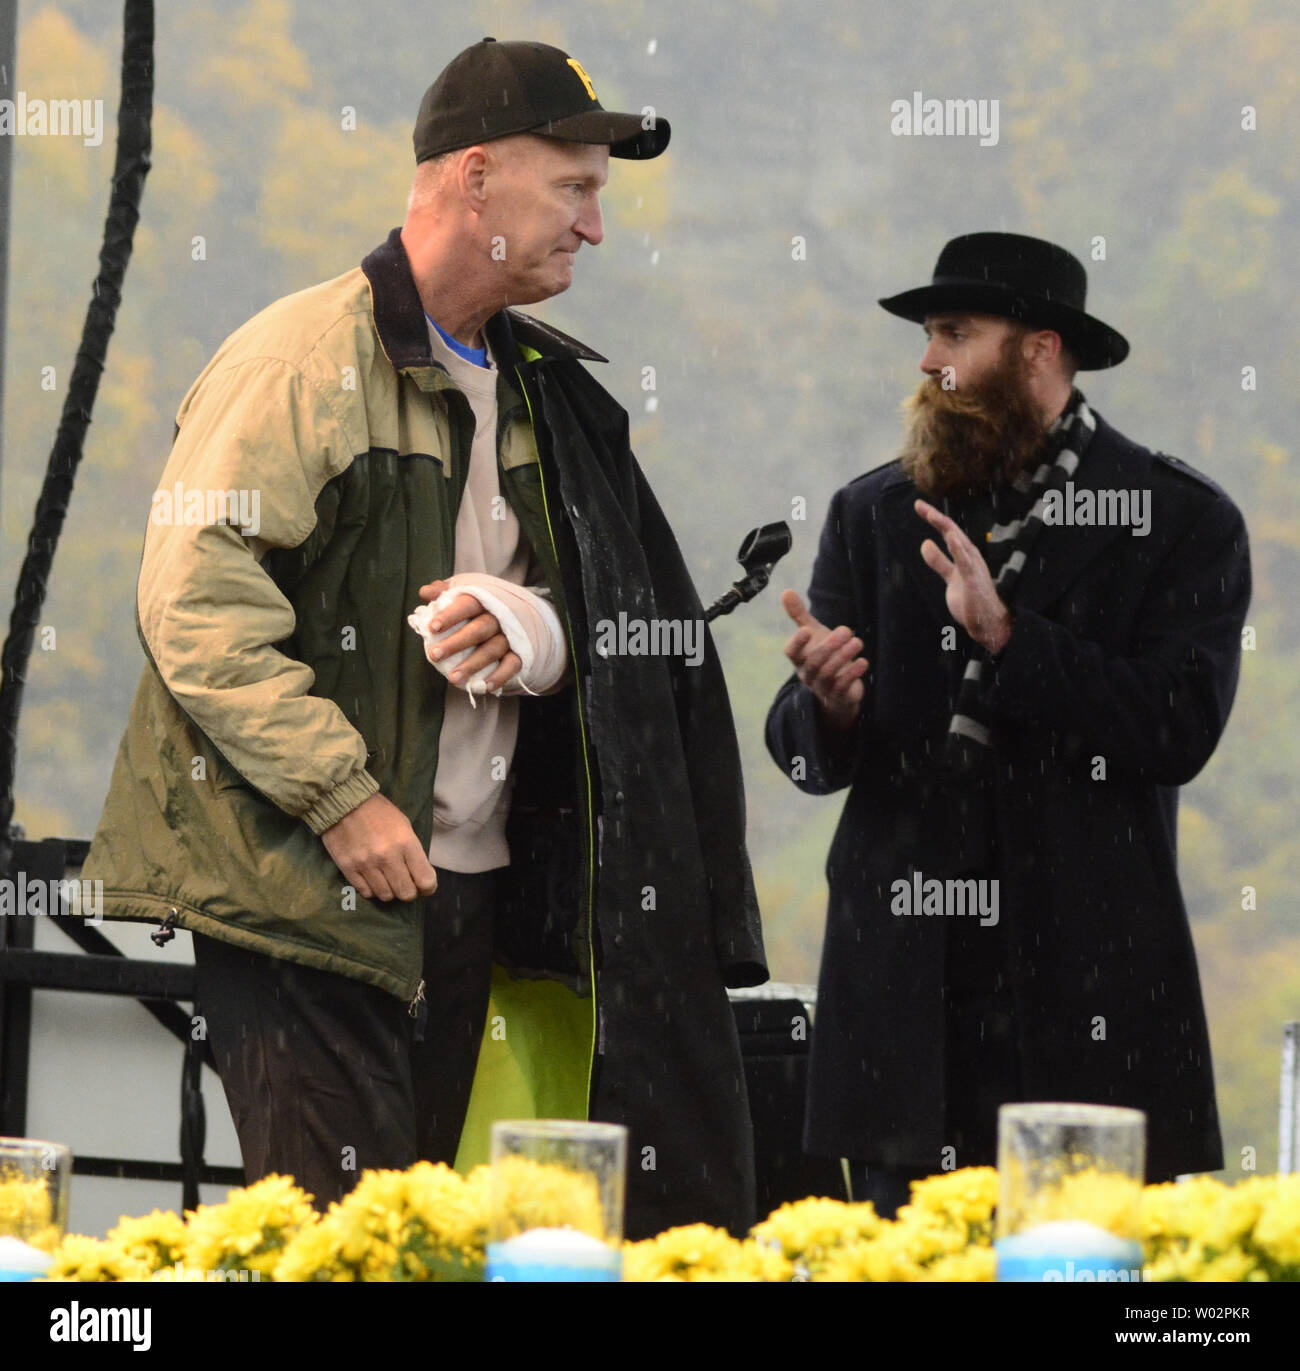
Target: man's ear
x=1042, y=348
x=471, y=178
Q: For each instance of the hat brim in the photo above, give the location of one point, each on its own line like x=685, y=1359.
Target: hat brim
x=1095, y=345
x=625, y=134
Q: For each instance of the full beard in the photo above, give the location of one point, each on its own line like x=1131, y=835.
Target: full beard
x=962, y=442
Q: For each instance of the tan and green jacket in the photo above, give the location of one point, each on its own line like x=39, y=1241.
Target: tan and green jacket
x=280, y=664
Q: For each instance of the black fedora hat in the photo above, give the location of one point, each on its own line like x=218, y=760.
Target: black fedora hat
x=1016, y=277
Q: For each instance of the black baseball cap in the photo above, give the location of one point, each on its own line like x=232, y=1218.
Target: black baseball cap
x=492, y=90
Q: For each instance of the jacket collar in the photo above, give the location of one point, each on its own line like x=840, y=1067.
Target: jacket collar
x=1061, y=552
x=404, y=334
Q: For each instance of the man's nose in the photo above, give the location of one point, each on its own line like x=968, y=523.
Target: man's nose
x=590, y=225
x=930, y=363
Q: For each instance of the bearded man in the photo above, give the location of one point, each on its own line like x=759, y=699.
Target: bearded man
x=1022, y=637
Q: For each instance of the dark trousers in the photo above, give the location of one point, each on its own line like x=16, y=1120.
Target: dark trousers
x=982, y=1067
x=327, y=1077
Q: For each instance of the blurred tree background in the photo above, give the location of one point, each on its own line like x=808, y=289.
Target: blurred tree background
x=743, y=267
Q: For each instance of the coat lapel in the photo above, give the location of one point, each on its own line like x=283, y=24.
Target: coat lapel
x=906, y=531
x=1064, y=551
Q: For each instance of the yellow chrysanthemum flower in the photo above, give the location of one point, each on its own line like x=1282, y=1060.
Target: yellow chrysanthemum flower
x=1178, y=1209
x=943, y=1234
x=423, y=1224
x=527, y=1194
x=1199, y=1229
x=967, y=1198
x=922, y=1237
x=1109, y=1199
x=93, y=1259
x=250, y=1230
x=1277, y=1230
x=26, y=1208
x=878, y=1259
x=690, y=1253
x=760, y=1262
x=748, y=1262
x=157, y=1240
x=1232, y=1265
x=975, y=1263
x=805, y=1231
x=314, y=1254
x=457, y=1209
x=429, y=1223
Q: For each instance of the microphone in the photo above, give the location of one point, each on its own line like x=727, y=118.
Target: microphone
x=761, y=549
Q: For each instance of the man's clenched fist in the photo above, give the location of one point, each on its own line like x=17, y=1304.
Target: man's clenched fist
x=376, y=849
x=828, y=661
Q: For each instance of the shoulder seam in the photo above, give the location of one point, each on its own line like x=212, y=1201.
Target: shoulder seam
x=310, y=384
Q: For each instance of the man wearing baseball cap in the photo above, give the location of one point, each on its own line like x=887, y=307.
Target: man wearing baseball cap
x=443, y=861
x=1022, y=637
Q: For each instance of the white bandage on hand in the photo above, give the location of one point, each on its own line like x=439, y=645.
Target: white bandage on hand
x=528, y=620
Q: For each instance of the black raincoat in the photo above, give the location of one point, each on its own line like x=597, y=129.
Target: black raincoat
x=651, y=740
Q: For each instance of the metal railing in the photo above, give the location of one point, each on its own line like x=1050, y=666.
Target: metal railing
x=98, y=968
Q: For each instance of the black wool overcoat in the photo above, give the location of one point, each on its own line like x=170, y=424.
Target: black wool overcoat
x=629, y=804
x=1112, y=692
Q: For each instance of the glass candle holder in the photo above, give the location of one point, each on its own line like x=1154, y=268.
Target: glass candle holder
x=557, y=1201
x=1070, y=1189
x=34, y=1178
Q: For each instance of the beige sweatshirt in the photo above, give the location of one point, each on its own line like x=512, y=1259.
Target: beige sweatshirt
x=471, y=791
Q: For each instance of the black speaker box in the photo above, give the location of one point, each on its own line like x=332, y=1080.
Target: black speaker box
x=774, y=1037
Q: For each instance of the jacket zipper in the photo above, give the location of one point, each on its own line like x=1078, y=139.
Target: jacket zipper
x=166, y=930
x=413, y=1008
x=586, y=762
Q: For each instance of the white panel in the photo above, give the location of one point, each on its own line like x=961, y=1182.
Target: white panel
x=105, y=1079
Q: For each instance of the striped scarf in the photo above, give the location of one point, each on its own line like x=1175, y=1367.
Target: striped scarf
x=970, y=733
